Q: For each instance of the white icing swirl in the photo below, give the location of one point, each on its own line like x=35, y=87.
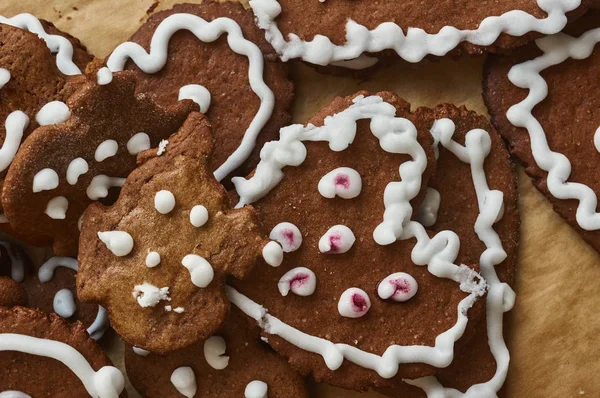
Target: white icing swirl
x=201, y=271
x=214, y=352
x=15, y=126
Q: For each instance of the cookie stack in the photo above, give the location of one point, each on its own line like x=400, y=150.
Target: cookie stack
x=236, y=254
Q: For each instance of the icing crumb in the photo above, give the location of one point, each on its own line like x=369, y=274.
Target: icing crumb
x=162, y=147
x=148, y=295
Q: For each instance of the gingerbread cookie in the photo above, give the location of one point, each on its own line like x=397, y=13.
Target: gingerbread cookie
x=11, y=293
x=85, y=147
x=231, y=363
x=342, y=33
x=158, y=258
x=543, y=100
x=213, y=53
x=42, y=355
x=365, y=296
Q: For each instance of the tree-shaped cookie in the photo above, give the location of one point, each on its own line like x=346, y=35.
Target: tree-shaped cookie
x=87, y=146
x=158, y=258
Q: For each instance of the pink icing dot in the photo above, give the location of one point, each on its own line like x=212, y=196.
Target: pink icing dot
x=354, y=303
x=334, y=240
x=338, y=239
x=342, y=180
x=399, y=286
x=301, y=281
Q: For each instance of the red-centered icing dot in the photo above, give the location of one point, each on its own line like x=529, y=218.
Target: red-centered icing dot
x=300, y=281
x=338, y=239
x=342, y=180
x=399, y=286
x=354, y=303
x=287, y=235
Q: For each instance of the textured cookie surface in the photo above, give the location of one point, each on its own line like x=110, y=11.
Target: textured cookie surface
x=569, y=118
x=37, y=373
x=228, y=364
x=304, y=197
x=62, y=168
x=234, y=89
x=158, y=258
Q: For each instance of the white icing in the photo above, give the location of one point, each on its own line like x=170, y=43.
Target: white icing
x=343, y=182
x=164, y=201
x=412, y=46
x=105, y=150
x=57, y=208
x=64, y=303
x=76, y=168
x=201, y=271
x=17, y=266
x=162, y=147
x=4, y=77
x=178, y=310
x=207, y=32
x=398, y=286
x=14, y=394
x=354, y=303
x=428, y=211
x=184, y=380
x=148, y=295
x=198, y=216
x=57, y=44
x=100, y=185
x=287, y=235
x=214, y=352
x=138, y=143
x=256, y=389
x=152, y=259
x=273, y=254
x=98, y=327
x=197, y=93
x=337, y=240
x=108, y=382
x=15, y=126
x=45, y=180
x=557, y=49
x=120, y=243
x=300, y=280
x=104, y=76
x=55, y=112
x=141, y=352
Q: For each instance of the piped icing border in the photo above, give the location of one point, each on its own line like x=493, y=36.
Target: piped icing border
x=527, y=75
x=413, y=46
x=57, y=44
x=206, y=32
x=396, y=135
x=107, y=382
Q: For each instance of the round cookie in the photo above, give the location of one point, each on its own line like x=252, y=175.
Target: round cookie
x=87, y=146
x=349, y=280
x=543, y=100
x=342, y=33
x=159, y=257
x=231, y=363
x=213, y=53
x=42, y=355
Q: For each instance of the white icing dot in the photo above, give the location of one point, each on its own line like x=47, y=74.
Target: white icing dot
x=100, y=184
x=343, y=182
x=152, y=259
x=164, y=201
x=256, y=389
x=197, y=93
x=162, y=147
x=120, y=243
x=105, y=150
x=76, y=168
x=104, y=76
x=54, y=112
x=198, y=216
x=184, y=380
x=399, y=286
x=178, y=310
x=138, y=143
x=597, y=139
x=337, y=240
x=64, y=303
x=4, y=77
x=201, y=271
x=45, y=180
x=273, y=254
x=300, y=281
x=288, y=235
x=214, y=352
x=57, y=208
x=148, y=295
x=354, y=303
x=141, y=352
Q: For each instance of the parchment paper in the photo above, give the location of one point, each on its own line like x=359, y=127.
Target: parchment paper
x=554, y=341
